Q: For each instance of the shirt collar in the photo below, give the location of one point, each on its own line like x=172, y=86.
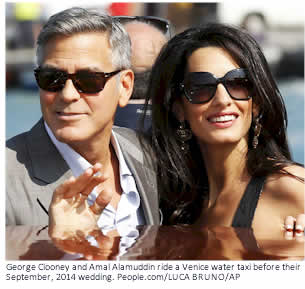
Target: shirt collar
x=124, y=169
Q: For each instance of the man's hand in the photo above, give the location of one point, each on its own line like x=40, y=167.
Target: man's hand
x=69, y=210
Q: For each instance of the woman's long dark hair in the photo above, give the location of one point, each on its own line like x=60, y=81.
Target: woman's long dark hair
x=183, y=179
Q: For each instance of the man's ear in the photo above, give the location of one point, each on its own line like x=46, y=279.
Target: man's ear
x=177, y=109
x=125, y=86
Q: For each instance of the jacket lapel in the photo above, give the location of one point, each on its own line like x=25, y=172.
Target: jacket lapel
x=144, y=174
x=47, y=164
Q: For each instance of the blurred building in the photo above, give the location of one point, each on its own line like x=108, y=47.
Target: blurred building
x=280, y=32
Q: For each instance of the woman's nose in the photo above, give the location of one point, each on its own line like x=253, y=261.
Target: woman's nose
x=221, y=96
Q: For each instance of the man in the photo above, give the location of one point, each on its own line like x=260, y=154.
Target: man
x=146, y=42
x=83, y=73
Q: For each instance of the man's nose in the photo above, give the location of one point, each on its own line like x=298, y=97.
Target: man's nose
x=69, y=93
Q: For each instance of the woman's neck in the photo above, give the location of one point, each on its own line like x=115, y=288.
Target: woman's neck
x=226, y=167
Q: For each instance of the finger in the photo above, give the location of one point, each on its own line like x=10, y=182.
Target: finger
x=289, y=223
x=299, y=225
x=79, y=184
x=300, y=237
x=95, y=181
x=62, y=189
x=97, y=169
x=79, y=201
x=83, y=184
x=102, y=200
x=288, y=235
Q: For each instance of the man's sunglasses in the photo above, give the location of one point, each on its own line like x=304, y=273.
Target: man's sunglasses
x=162, y=24
x=84, y=81
x=200, y=87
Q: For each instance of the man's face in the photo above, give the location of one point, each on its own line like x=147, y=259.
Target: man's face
x=76, y=117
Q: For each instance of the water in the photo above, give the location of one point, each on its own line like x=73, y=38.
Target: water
x=293, y=93
x=23, y=110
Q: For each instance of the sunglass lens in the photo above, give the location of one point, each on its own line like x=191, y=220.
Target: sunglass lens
x=238, y=84
x=201, y=93
x=89, y=82
x=200, y=87
x=239, y=88
x=50, y=80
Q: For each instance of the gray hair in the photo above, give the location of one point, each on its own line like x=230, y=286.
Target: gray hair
x=78, y=20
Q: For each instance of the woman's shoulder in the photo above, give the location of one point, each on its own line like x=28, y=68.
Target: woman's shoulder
x=295, y=174
x=287, y=187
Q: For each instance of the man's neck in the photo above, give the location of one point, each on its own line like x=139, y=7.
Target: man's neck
x=95, y=150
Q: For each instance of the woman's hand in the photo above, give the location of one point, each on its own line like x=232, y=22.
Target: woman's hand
x=69, y=209
x=294, y=226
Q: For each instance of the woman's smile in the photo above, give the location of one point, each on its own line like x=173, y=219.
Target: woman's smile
x=222, y=120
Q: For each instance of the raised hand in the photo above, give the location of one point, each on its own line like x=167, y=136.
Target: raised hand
x=69, y=207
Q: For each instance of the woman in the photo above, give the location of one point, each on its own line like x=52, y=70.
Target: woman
x=219, y=129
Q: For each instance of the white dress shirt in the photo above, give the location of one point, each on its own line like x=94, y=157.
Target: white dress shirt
x=129, y=212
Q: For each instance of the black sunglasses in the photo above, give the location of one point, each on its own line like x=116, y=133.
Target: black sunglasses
x=84, y=81
x=162, y=24
x=200, y=87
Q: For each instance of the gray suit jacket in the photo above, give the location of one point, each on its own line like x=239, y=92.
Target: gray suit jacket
x=34, y=168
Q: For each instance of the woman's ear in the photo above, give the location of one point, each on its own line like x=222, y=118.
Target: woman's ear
x=178, y=111
x=255, y=110
x=125, y=86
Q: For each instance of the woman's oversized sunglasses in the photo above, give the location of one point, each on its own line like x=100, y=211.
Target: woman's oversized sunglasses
x=84, y=81
x=162, y=24
x=200, y=87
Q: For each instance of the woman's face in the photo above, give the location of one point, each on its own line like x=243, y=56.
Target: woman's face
x=221, y=120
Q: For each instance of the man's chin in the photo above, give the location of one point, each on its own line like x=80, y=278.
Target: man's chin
x=69, y=135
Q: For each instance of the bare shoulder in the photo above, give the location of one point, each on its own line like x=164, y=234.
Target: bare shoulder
x=295, y=176
x=282, y=196
x=288, y=188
